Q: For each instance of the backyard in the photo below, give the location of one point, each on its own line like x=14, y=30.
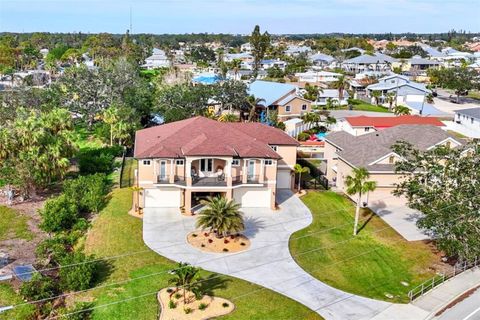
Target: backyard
x=114, y=232
x=377, y=263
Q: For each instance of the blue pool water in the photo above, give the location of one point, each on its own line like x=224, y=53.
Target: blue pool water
x=321, y=135
x=206, y=79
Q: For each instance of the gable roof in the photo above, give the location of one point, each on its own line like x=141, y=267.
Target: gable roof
x=365, y=150
x=289, y=98
x=387, y=122
x=201, y=136
x=271, y=92
x=368, y=59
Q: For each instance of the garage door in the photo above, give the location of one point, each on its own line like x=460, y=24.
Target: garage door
x=284, y=179
x=162, y=198
x=252, y=198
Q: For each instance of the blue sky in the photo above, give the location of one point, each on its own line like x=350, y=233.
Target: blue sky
x=239, y=16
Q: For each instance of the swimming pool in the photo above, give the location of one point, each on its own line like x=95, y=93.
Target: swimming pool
x=321, y=135
x=206, y=78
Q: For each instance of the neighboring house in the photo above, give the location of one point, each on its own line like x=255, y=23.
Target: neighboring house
x=333, y=94
x=312, y=149
x=157, y=60
x=244, y=57
x=297, y=50
x=317, y=76
x=245, y=74
x=344, y=152
x=182, y=162
x=281, y=97
x=321, y=59
x=246, y=47
x=415, y=64
x=361, y=125
x=267, y=64
x=366, y=62
x=296, y=125
x=466, y=122
x=405, y=89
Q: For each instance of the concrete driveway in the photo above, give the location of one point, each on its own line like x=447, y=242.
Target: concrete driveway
x=267, y=262
x=395, y=212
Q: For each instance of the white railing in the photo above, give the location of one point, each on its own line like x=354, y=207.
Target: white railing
x=303, y=127
x=437, y=280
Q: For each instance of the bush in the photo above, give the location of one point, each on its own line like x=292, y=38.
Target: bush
x=81, y=273
x=187, y=310
x=202, y=306
x=59, y=214
x=171, y=304
x=225, y=305
x=92, y=161
x=80, y=311
x=39, y=287
x=88, y=191
x=56, y=248
x=303, y=136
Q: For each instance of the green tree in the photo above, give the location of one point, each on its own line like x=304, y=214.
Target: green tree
x=312, y=92
x=401, y=110
x=376, y=94
x=391, y=98
x=253, y=104
x=59, y=214
x=221, y=216
x=358, y=184
x=299, y=170
x=186, y=276
x=340, y=84
x=260, y=44
x=39, y=287
x=230, y=94
x=459, y=79
x=312, y=118
x=443, y=184
x=80, y=273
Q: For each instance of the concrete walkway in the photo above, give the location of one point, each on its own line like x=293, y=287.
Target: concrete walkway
x=267, y=262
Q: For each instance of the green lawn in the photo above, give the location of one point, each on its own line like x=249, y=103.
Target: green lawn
x=9, y=297
x=85, y=139
x=364, y=106
x=128, y=175
x=474, y=94
x=13, y=225
x=373, y=264
x=114, y=232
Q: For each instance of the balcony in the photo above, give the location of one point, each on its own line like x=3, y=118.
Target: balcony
x=165, y=179
x=219, y=181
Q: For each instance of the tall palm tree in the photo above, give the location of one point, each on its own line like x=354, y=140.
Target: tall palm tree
x=311, y=118
x=185, y=276
x=401, y=110
x=299, y=170
x=358, y=184
x=376, y=95
x=228, y=117
x=221, y=216
x=391, y=98
x=235, y=65
x=252, y=104
x=340, y=85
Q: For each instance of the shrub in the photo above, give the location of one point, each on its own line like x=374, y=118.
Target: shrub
x=171, y=304
x=202, y=306
x=56, y=248
x=225, y=250
x=187, y=310
x=80, y=311
x=225, y=305
x=59, y=214
x=303, y=136
x=39, y=287
x=92, y=161
x=177, y=295
x=80, y=274
x=88, y=191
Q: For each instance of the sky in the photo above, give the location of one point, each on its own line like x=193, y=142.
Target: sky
x=239, y=16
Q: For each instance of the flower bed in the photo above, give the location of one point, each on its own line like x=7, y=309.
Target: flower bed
x=208, y=242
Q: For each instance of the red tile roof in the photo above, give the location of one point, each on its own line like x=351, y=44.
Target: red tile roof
x=387, y=122
x=200, y=136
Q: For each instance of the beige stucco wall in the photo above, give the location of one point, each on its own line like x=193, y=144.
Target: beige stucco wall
x=295, y=108
x=330, y=156
x=147, y=174
x=288, y=154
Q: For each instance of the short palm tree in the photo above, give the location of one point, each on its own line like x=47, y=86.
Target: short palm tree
x=299, y=170
x=401, y=110
x=312, y=118
x=228, y=117
x=358, y=184
x=252, y=104
x=185, y=276
x=221, y=216
x=376, y=95
x=340, y=85
x=391, y=98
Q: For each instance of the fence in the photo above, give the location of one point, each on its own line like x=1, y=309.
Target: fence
x=437, y=280
x=299, y=129
x=318, y=178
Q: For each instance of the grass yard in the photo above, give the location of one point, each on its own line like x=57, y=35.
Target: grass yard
x=474, y=94
x=9, y=297
x=364, y=106
x=85, y=139
x=13, y=225
x=114, y=232
x=128, y=174
x=353, y=266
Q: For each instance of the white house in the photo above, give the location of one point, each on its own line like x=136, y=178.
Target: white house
x=405, y=89
x=333, y=95
x=244, y=57
x=317, y=76
x=297, y=50
x=466, y=122
x=246, y=47
x=157, y=60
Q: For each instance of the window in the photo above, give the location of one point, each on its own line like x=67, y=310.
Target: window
x=367, y=129
x=206, y=165
x=472, y=120
x=287, y=109
x=268, y=162
x=235, y=162
x=146, y=162
x=304, y=107
x=179, y=162
x=274, y=148
x=391, y=159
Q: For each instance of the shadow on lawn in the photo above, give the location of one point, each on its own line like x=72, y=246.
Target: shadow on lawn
x=211, y=283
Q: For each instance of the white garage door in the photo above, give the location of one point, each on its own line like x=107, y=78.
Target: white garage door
x=284, y=179
x=252, y=198
x=162, y=198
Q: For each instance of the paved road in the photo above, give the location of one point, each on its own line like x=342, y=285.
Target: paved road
x=468, y=309
x=267, y=262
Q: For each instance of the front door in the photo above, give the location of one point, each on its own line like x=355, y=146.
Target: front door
x=206, y=166
x=163, y=170
x=251, y=169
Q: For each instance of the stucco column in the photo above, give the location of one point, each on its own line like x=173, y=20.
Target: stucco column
x=188, y=201
x=228, y=172
x=261, y=176
x=244, y=171
x=273, y=195
x=171, y=178
x=229, y=194
x=188, y=172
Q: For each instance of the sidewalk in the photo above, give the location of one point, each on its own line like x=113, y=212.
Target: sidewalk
x=426, y=306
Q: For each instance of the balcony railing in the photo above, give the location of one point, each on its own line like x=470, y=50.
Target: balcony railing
x=253, y=179
x=219, y=181
x=165, y=179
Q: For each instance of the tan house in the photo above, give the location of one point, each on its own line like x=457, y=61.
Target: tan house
x=182, y=162
x=280, y=97
x=344, y=151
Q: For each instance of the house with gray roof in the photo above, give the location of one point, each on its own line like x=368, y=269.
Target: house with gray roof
x=321, y=59
x=373, y=151
x=365, y=62
x=466, y=122
x=158, y=59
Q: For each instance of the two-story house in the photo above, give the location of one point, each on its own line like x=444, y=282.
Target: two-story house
x=182, y=162
x=280, y=97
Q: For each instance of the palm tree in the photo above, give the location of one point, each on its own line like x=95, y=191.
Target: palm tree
x=228, y=117
x=253, y=103
x=221, y=216
x=376, y=95
x=235, y=65
x=358, y=184
x=311, y=118
x=110, y=116
x=401, y=110
x=391, y=97
x=185, y=277
x=340, y=84
x=299, y=169
x=429, y=98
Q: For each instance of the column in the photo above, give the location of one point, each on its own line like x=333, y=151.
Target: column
x=228, y=172
x=171, y=178
x=261, y=176
x=188, y=172
x=244, y=171
x=188, y=201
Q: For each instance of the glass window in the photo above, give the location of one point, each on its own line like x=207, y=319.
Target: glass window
x=268, y=162
x=235, y=162
x=180, y=162
x=287, y=108
x=391, y=159
x=146, y=162
x=304, y=107
x=206, y=165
